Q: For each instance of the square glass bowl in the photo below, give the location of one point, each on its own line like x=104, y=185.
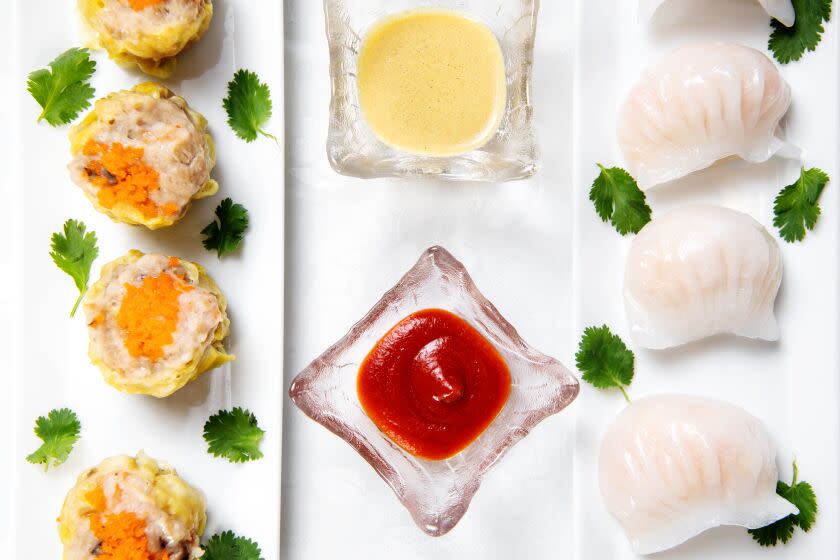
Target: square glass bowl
x=352, y=147
x=436, y=493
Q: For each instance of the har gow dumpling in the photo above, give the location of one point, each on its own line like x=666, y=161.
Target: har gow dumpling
x=699, y=271
x=699, y=105
x=781, y=10
x=673, y=466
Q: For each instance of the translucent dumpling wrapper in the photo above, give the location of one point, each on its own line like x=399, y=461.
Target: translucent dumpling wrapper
x=699, y=271
x=699, y=105
x=781, y=10
x=148, y=34
x=674, y=466
x=129, y=507
x=142, y=156
x=155, y=323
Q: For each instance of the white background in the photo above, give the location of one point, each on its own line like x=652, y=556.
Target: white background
x=349, y=240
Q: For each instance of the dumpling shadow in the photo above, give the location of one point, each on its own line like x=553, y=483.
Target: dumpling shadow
x=206, y=53
x=193, y=395
x=720, y=343
x=715, y=185
x=182, y=239
x=717, y=542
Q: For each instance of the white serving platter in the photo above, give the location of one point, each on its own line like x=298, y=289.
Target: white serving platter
x=792, y=385
x=349, y=240
x=50, y=368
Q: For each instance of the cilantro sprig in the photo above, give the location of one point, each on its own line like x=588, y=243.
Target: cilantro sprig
x=228, y=546
x=605, y=360
x=801, y=495
x=234, y=435
x=59, y=431
x=225, y=233
x=789, y=44
x=63, y=90
x=74, y=252
x=619, y=200
x=248, y=105
x=797, y=206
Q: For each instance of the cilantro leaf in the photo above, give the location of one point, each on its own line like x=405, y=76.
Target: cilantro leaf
x=619, y=200
x=790, y=43
x=605, y=360
x=248, y=105
x=781, y=530
x=74, y=253
x=59, y=431
x=225, y=234
x=228, y=546
x=796, y=208
x=801, y=495
x=63, y=91
x=234, y=435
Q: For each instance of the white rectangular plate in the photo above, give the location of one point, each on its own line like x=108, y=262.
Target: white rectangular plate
x=52, y=369
x=349, y=240
x=793, y=385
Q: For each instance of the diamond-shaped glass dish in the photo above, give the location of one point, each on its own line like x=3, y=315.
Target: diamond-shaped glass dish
x=352, y=147
x=436, y=493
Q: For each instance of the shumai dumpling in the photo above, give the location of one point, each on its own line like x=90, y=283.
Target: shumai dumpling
x=155, y=323
x=699, y=271
x=699, y=105
x=142, y=156
x=673, y=466
x=147, y=33
x=781, y=10
x=132, y=508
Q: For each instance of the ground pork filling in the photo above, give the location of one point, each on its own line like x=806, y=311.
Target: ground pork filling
x=127, y=19
x=147, y=153
x=152, y=319
x=127, y=524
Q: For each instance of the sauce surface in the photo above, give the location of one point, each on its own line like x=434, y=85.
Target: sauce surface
x=432, y=82
x=433, y=384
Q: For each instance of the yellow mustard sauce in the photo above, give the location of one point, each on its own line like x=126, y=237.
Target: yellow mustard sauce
x=432, y=82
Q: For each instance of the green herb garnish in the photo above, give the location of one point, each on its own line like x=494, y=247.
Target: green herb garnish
x=605, y=360
x=801, y=495
x=797, y=207
x=234, y=435
x=790, y=43
x=619, y=200
x=63, y=90
x=74, y=253
x=248, y=105
x=59, y=431
x=225, y=233
x=228, y=546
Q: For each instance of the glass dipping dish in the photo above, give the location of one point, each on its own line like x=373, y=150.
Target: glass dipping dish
x=352, y=147
x=436, y=493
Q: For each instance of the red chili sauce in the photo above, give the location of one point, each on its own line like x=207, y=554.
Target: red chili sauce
x=433, y=383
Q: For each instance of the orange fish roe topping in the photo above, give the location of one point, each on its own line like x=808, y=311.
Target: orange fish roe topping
x=148, y=315
x=98, y=320
x=96, y=498
x=139, y=5
x=122, y=535
x=122, y=177
x=171, y=209
x=174, y=262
